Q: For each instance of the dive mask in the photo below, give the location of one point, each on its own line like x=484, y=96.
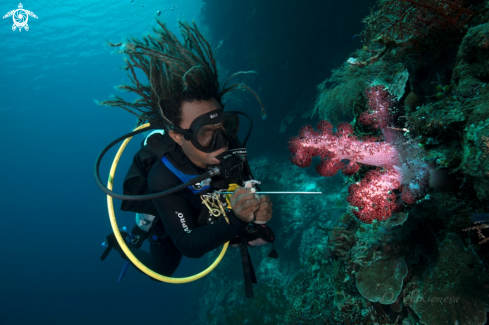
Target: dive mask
x=211, y=131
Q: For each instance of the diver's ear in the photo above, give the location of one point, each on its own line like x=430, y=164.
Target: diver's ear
x=177, y=137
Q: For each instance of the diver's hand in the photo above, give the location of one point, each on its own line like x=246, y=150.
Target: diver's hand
x=244, y=203
x=264, y=212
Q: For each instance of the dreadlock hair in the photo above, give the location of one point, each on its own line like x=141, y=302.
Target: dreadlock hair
x=177, y=72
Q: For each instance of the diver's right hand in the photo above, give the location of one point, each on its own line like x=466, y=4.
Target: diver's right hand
x=244, y=203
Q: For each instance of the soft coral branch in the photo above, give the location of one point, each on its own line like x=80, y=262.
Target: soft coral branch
x=374, y=197
x=479, y=226
x=335, y=147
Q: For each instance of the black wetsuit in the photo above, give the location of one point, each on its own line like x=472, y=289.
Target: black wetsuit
x=178, y=215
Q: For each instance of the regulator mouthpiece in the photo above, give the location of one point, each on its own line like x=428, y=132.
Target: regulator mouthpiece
x=230, y=165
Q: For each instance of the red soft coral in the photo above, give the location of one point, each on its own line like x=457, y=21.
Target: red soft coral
x=335, y=147
x=373, y=198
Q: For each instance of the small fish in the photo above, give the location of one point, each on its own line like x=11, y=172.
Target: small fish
x=480, y=217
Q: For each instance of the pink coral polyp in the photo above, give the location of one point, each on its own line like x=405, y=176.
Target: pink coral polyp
x=374, y=196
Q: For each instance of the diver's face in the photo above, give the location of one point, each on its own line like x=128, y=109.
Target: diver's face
x=190, y=111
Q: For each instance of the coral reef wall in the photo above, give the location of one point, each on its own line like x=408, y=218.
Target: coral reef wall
x=426, y=260
x=413, y=267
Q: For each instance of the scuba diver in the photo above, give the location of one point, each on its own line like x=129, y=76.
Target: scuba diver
x=184, y=99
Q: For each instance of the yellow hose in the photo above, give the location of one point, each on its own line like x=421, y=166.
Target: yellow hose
x=122, y=242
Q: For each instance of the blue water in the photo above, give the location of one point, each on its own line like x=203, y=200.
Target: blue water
x=53, y=217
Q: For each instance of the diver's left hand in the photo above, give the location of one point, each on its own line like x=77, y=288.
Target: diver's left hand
x=264, y=212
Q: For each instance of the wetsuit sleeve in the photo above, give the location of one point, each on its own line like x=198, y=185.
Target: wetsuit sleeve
x=179, y=220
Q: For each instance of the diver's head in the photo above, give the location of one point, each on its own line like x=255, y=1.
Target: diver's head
x=204, y=131
x=183, y=85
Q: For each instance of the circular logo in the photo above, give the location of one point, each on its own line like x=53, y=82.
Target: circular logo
x=20, y=18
